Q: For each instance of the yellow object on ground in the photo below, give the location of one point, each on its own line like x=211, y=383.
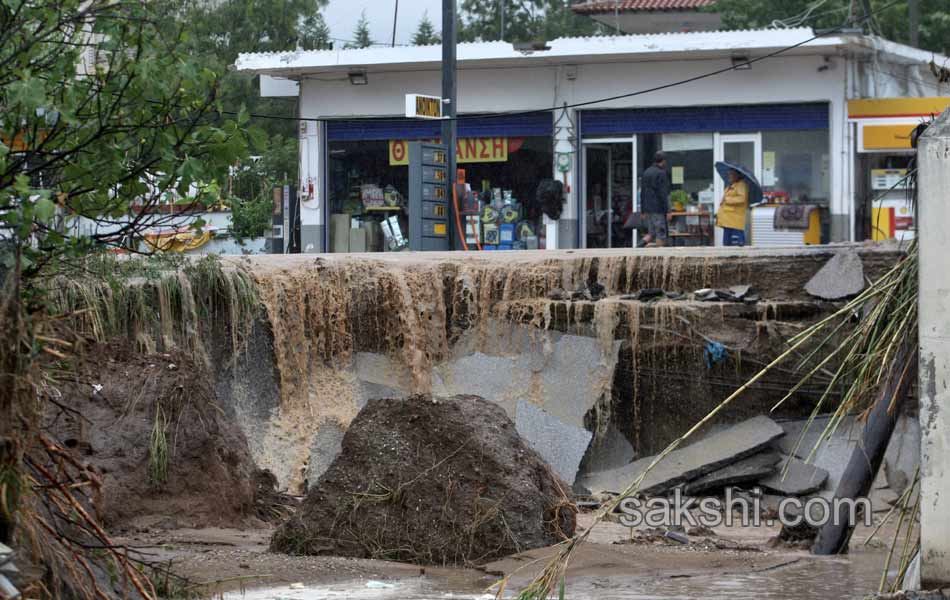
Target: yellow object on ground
x=178, y=241
x=735, y=206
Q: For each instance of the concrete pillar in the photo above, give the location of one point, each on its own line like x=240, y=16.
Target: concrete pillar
x=563, y=232
x=934, y=231
x=312, y=188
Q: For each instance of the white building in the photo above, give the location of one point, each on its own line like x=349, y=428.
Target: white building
x=776, y=101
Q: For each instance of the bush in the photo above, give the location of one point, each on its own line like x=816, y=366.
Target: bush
x=251, y=218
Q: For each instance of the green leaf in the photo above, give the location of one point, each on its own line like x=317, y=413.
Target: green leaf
x=44, y=209
x=28, y=93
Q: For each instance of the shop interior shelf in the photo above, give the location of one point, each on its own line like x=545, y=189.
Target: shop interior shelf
x=381, y=208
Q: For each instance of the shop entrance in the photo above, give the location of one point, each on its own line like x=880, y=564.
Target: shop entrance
x=609, y=192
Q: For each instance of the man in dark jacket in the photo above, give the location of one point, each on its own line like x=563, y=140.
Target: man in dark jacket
x=655, y=201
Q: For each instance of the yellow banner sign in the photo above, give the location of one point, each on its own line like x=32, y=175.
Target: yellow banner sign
x=887, y=137
x=468, y=150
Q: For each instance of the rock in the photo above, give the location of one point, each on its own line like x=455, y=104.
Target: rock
x=676, y=536
x=841, y=277
x=797, y=479
x=649, y=294
x=432, y=481
x=748, y=469
x=740, y=291
x=596, y=291
x=689, y=463
x=561, y=445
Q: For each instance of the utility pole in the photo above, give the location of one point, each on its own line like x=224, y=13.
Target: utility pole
x=501, y=11
x=868, y=17
x=395, y=17
x=913, y=22
x=449, y=93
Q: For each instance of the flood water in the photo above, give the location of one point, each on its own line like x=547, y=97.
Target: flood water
x=805, y=579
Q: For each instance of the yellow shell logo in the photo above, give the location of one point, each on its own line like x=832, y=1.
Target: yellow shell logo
x=903, y=210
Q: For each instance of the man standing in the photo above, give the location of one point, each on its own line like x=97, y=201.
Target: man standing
x=655, y=201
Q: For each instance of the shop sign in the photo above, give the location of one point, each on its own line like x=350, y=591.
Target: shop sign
x=468, y=150
x=423, y=107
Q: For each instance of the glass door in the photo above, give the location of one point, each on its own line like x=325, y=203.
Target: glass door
x=743, y=149
x=609, y=193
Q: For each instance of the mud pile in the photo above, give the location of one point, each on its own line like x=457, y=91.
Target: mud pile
x=149, y=427
x=433, y=481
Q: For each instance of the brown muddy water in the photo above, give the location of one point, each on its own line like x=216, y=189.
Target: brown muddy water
x=802, y=578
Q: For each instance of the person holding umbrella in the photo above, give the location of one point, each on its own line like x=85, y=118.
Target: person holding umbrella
x=734, y=208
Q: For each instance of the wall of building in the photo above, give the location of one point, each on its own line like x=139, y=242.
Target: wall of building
x=781, y=79
x=934, y=384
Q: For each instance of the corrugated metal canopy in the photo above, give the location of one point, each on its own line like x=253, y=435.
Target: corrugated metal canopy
x=609, y=6
x=583, y=50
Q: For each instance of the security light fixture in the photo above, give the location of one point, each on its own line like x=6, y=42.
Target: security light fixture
x=531, y=47
x=358, y=77
x=741, y=63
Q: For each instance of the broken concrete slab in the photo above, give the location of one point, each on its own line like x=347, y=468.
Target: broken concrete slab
x=610, y=451
x=561, y=446
x=564, y=374
x=797, y=478
x=834, y=452
x=903, y=454
x=841, y=277
x=690, y=462
x=748, y=469
x=326, y=446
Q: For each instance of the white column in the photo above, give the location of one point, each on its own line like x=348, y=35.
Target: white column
x=311, y=189
x=934, y=384
x=841, y=205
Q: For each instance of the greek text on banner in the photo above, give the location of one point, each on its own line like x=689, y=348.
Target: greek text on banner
x=468, y=150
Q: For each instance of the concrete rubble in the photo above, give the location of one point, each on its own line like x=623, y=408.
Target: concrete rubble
x=690, y=462
x=841, y=277
x=561, y=446
x=750, y=469
x=795, y=477
x=780, y=460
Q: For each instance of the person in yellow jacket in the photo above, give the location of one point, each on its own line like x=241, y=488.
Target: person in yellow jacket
x=733, y=210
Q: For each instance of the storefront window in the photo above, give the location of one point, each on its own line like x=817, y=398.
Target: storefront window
x=689, y=157
x=368, y=188
x=795, y=166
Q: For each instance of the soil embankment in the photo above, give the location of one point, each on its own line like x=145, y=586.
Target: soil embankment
x=150, y=427
x=432, y=481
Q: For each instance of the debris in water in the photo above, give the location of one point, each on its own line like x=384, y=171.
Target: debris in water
x=676, y=536
x=379, y=585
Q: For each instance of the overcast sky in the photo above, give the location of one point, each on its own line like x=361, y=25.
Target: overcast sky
x=342, y=15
